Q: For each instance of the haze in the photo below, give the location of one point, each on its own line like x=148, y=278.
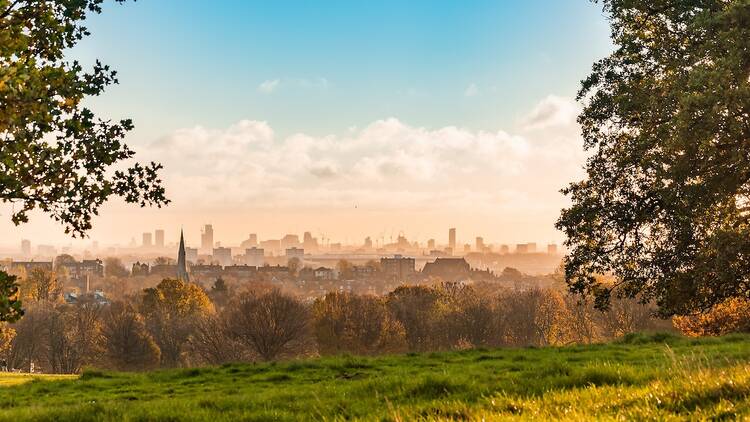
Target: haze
x=345, y=120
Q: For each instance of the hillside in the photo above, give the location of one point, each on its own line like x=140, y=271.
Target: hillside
x=654, y=376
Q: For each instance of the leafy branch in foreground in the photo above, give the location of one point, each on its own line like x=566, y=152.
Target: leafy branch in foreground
x=56, y=155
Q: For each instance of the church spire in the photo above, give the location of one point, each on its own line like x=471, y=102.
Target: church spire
x=182, y=273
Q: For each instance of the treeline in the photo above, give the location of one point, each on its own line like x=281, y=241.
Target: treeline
x=180, y=324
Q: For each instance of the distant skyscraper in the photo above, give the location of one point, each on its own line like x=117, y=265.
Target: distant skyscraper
x=223, y=256
x=147, y=240
x=368, y=243
x=26, y=247
x=255, y=257
x=182, y=273
x=159, y=238
x=252, y=240
x=293, y=252
x=452, y=239
x=479, y=244
x=207, y=238
x=431, y=244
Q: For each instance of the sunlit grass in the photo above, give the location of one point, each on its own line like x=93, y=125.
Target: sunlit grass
x=642, y=377
x=8, y=379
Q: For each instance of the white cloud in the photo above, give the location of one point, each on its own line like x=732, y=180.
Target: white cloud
x=269, y=86
x=471, y=91
x=552, y=111
x=386, y=165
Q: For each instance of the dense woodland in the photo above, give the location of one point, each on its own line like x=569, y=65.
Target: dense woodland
x=177, y=324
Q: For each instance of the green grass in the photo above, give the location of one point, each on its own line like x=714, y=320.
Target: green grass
x=642, y=377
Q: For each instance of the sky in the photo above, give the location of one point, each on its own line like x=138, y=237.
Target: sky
x=345, y=118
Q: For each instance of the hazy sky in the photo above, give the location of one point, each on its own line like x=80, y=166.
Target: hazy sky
x=346, y=118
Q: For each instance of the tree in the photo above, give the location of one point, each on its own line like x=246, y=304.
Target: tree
x=10, y=304
x=170, y=310
x=272, y=324
x=728, y=317
x=41, y=285
x=213, y=344
x=128, y=346
x=113, y=267
x=344, y=322
x=418, y=309
x=41, y=95
x=665, y=206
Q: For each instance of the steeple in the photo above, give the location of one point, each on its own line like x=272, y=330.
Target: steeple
x=182, y=273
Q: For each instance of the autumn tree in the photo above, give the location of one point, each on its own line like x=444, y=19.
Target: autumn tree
x=113, y=267
x=271, y=324
x=349, y=323
x=72, y=334
x=417, y=308
x=127, y=344
x=170, y=310
x=665, y=205
x=41, y=285
x=10, y=303
x=212, y=342
x=731, y=316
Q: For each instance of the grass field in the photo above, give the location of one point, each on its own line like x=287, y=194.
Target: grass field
x=644, y=376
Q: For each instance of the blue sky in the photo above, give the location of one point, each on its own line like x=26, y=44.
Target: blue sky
x=341, y=63
x=349, y=118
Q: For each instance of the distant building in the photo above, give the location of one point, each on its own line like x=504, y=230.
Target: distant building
x=290, y=240
x=191, y=255
x=398, y=267
x=207, y=238
x=531, y=247
x=323, y=273
x=252, y=240
x=552, y=249
x=448, y=269
x=309, y=243
x=467, y=248
x=223, y=256
x=164, y=270
x=26, y=248
x=147, y=241
x=479, y=244
x=205, y=272
x=522, y=248
x=273, y=247
x=292, y=253
x=182, y=273
x=139, y=269
x=452, y=239
x=31, y=265
x=255, y=257
x=46, y=251
x=431, y=244
x=83, y=269
x=368, y=243
x=504, y=249
x=159, y=238
x=240, y=271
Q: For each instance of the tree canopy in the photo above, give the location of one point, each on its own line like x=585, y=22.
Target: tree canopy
x=666, y=201
x=56, y=155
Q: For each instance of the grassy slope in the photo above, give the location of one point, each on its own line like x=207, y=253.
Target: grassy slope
x=643, y=377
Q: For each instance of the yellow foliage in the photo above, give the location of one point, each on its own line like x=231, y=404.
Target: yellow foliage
x=730, y=316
